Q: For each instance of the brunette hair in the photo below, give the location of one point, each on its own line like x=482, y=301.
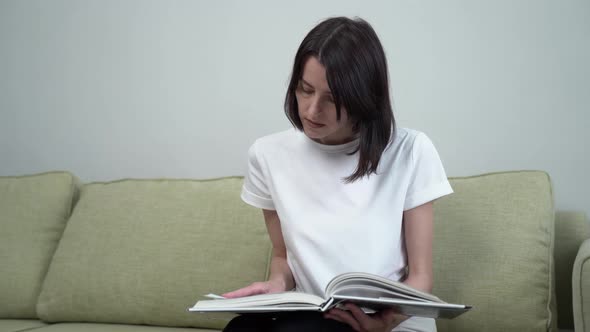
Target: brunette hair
x=356, y=71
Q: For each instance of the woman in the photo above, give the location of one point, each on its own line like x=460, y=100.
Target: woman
x=345, y=190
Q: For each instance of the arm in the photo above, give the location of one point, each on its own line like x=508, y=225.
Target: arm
x=280, y=272
x=418, y=224
x=281, y=277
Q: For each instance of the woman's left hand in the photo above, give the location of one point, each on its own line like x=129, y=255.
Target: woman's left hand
x=383, y=321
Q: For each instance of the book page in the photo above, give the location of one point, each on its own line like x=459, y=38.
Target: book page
x=374, y=292
x=291, y=299
x=410, y=308
x=355, y=283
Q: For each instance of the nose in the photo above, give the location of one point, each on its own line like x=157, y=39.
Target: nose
x=315, y=107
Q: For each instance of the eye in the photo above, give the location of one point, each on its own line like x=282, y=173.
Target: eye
x=305, y=91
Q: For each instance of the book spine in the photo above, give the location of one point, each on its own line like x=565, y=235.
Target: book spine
x=326, y=305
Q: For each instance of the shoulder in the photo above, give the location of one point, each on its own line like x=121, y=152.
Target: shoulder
x=278, y=138
x=275, y=143
x=405, y=140
x=406, y=147
x=404, y=135
x=415, y=146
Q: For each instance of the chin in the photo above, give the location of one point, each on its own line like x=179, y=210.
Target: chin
x=313, y=134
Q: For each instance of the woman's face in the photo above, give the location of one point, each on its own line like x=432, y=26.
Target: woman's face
x=317, y=110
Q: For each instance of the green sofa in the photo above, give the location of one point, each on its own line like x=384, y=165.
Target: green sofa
x=133, y=255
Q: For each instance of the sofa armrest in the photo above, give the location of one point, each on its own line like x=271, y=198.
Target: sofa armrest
x=581, y=288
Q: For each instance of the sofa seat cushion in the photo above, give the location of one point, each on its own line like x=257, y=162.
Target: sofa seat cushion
x=34, y=210
x=90, y=327
x=143, y=251
x=14, y=325
x=493, y=249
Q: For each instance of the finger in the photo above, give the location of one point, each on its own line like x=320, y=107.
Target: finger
x=388, y=314
x=364, y=320
x=391, y=315
x=234, y=294
x=253, y=289
x=399, y=318
x=330, y=316
x=345, y=317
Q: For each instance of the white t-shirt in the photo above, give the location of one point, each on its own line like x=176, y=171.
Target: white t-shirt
x=331, y=227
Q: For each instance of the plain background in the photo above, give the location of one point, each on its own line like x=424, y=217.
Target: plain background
x=111, y=89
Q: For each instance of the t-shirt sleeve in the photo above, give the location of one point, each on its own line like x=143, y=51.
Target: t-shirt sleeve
x=255, y=189
x=428, y=180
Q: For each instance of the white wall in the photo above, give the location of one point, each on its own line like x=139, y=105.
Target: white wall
x=111, y=89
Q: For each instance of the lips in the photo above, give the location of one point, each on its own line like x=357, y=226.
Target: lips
x=314, y=124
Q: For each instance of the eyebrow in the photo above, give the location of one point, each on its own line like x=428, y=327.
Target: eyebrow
x=307, y=83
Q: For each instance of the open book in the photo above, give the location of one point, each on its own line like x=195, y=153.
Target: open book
x=370, y=292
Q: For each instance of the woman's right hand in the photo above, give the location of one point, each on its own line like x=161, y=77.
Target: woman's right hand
x=281, y=277
x=261, y=287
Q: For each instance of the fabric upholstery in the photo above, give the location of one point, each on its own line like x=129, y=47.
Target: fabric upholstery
x=581, y=288
x=14, y=325
x=143, y=251
x=34, y=210
x=571, y=229
x=493, y=249
x=90, y=327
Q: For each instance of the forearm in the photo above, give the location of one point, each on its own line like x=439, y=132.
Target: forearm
x=421, y=282
x=280, y=272
x=418, y=236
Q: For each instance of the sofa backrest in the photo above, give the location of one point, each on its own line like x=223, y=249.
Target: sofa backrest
x=33, y=213
x=143, y=251
x=493, y=249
